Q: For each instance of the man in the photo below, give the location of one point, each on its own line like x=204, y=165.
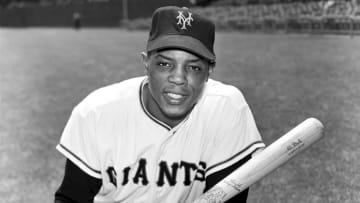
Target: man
x=164, y=137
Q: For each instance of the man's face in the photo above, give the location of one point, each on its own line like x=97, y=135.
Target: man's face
x=176, y=80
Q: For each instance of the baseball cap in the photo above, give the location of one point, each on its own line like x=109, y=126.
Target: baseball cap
x=175, y=27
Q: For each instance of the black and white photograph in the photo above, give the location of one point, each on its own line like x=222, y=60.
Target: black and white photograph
x=180, y=101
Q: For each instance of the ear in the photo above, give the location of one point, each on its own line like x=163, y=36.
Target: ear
x=145, y=60
x=211, y=70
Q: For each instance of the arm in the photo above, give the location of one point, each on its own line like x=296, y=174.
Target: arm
x=77, y=186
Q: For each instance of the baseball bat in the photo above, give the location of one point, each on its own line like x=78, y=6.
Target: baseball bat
x=272, y=157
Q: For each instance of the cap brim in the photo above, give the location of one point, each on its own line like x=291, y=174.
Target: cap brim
x=186, y=43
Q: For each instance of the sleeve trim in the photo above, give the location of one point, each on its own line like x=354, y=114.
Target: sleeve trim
x=79, y=162
x=233, y=159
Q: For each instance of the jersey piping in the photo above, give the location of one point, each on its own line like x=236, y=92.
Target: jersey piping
x=146, y=111
x=83, y=165
x=235, y=158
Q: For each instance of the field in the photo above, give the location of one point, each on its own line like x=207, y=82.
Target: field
x=285, y=78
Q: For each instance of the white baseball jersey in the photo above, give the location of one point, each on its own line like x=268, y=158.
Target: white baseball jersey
x=111, y=136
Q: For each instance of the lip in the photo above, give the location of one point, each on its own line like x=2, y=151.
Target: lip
x=174, y=97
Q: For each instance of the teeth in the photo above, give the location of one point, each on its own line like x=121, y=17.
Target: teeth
x=175, y=96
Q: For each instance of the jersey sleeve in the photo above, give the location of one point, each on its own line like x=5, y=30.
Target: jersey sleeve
x=236, y=136
x=78, y=141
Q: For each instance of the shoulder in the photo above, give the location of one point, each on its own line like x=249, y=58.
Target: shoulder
x=125, y=91
x=224, y=92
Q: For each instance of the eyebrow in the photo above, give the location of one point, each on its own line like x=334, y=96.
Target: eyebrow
x=159, y=55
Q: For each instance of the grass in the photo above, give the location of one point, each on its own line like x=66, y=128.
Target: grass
x=285, y=78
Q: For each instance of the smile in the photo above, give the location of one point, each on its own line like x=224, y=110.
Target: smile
x=174, y=98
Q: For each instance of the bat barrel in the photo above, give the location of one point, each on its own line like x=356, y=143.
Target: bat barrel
x=272, y=157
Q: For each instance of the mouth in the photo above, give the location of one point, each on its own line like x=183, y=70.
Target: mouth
x=175, y=98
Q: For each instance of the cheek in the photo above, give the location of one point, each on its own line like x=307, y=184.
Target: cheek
x=156, y=75
x=156, y=82
x=198, y=79
x=197, y=84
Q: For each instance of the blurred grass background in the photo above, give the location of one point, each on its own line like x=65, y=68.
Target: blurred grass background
x=285, y=78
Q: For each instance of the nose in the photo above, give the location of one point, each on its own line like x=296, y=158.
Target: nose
x=178, y=76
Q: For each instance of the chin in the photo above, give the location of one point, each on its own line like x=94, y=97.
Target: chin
x=175, y=113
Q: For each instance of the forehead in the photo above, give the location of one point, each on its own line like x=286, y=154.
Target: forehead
x=176, y=54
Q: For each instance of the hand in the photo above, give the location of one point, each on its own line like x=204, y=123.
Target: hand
x=203, y=200
x=214, y=195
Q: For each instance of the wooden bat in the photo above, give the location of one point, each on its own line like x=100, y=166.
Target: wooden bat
x=272, y=157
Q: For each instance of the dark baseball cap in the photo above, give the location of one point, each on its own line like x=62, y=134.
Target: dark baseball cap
x=175, y=27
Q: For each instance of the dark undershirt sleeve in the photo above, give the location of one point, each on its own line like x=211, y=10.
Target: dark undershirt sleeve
x=214, y=178
x=77, y=186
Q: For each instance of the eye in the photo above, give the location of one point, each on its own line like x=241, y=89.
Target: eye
x=194, y=68
x=163, y=64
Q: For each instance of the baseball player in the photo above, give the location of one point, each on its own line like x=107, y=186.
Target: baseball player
x=167, y=136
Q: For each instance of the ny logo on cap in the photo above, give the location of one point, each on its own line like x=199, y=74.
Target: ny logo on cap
x=184, y=21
